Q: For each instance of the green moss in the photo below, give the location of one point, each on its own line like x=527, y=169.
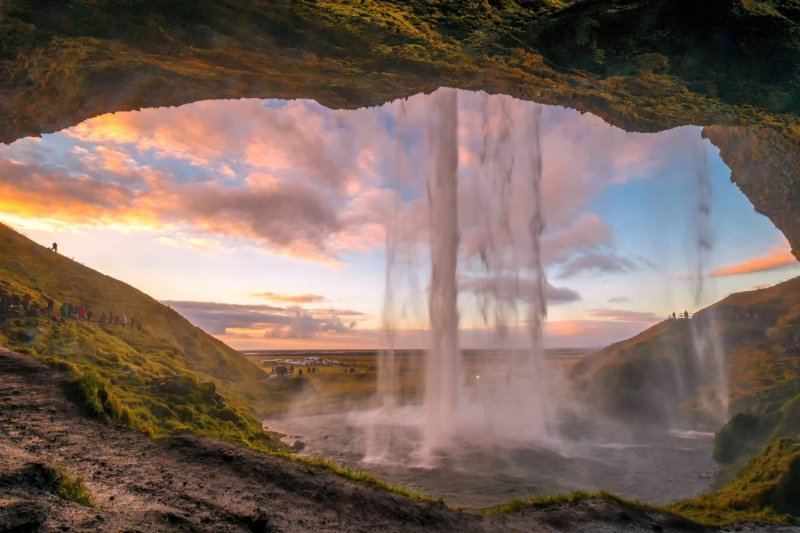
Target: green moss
x=550, y=500
x=70, y=487
x=767, y=489
x=596, y=56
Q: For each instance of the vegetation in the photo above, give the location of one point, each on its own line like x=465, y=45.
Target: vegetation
x=168, y=378
x=549, y=500
x=758, y=330
x=151, y=382
x=644, y=64
x=766, y=490
x=69, y=487
x=641, y=64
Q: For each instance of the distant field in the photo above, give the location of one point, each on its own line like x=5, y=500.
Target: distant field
x=349, y=379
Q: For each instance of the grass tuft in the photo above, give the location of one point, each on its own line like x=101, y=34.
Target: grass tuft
x=70, y=487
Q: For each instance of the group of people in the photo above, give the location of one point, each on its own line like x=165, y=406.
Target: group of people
x=75, y=312
x=673, y=316
x=82, y=312
x=13, y=304
x=121, y=320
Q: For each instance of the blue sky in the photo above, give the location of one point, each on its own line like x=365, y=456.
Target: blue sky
x=221, y=202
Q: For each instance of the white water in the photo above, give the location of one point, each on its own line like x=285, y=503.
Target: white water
x=708, y=349
x=488, y=259
x=442, y=376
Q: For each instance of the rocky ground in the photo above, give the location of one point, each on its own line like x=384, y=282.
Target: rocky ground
x=196, y=484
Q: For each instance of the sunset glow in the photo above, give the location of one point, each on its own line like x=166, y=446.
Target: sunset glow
x=262, y=221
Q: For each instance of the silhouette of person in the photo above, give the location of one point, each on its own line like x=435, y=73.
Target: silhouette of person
x=673, y=315
x=686, y=315
x=55, y=247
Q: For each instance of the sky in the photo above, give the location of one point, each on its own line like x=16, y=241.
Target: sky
x=265, y=221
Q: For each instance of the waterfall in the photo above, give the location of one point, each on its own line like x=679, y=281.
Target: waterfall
x=442, y=374
x=484, y=263
x=709, y=352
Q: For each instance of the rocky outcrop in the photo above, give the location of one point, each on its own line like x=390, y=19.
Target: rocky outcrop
x=765, y=164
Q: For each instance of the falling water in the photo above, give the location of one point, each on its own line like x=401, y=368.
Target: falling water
x=710, y=358
x=442, y=374
x=509, y=279
x=483, y=265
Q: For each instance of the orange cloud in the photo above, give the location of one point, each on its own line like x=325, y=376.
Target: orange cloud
x=290, y=298
x=774, y=260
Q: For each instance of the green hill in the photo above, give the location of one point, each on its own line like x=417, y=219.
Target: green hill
x=656, y=376
x=167, y=376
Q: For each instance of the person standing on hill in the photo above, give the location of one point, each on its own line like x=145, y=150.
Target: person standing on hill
x=50, y=305
x=54, y=247
x=82, y=312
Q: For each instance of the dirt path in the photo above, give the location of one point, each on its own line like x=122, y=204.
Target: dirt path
x=197, y=484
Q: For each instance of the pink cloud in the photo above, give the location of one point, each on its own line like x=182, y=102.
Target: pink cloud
x=302, y=180
x=772, y=261
x=620, y=315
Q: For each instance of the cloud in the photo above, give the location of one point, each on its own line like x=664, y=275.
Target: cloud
x=302, y=325
x=774, y=260
x=294, y=217
x=290, y=322
x=597, y=262
x=506, y=287
x=290, y=298
x=618, y=299
x=587, y=232
x=619, y=315
x=588, y=333
x=298, y=179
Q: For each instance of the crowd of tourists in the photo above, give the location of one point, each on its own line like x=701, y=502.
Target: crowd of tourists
x=19, y=305
x=13, y=304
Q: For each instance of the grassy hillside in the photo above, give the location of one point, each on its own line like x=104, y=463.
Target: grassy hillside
x=171, y=377
x=766, y=489
x=655, y=375
x=168, y=377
